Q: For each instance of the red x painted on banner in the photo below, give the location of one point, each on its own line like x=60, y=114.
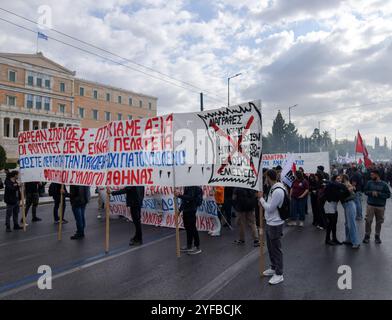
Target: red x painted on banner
x=237, y=146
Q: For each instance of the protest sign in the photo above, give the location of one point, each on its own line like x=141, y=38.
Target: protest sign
x=289, y=167
x=158, y=208
x=308, y=161
x=215, y=147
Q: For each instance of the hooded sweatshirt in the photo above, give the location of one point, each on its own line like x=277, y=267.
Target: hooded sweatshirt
x=274, y=201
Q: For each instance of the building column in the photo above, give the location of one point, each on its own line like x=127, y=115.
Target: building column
x=11, y=133
x=30, y=125
x=1, y=127
x=21, y=125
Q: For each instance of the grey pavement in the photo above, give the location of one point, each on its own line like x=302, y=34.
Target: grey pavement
x=82, y=270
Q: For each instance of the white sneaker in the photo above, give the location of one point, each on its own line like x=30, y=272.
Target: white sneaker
x=276, y=279
x=269, y=273
x=214, y=234
x=301, y=224
x=292, y=223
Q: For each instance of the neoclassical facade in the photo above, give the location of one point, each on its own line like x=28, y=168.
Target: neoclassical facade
x=38, y=93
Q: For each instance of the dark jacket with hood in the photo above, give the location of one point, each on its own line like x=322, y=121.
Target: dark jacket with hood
x=79, y=195
x=11, y=192
x=134, y=195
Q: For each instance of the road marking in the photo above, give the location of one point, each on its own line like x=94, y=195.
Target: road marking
x=220, y=282
x=216, y=285
x=21, y=285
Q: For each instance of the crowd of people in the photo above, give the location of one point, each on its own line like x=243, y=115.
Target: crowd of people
x=278, y=203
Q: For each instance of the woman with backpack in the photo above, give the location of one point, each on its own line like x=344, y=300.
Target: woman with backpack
x=244, y=202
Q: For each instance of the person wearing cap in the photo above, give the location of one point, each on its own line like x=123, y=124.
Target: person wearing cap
x=377, y=192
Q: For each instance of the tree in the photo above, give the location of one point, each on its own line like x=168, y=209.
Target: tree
x=277, y=136
x=3, y=157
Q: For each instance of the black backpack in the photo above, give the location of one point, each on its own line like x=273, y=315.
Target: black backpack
x=284, y=209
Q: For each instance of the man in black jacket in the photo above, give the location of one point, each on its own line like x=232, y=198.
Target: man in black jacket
x=12, y=198
x=190, y=200
x=134, y=198
x=79, y=197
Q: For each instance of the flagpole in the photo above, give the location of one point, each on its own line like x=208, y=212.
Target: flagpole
x=37, y=42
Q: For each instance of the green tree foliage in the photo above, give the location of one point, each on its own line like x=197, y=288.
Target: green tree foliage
x=3, y=157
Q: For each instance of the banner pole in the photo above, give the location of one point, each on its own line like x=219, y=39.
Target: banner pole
x=261, y=239
x=23, y=206
x=59, y=235
x=107, y=211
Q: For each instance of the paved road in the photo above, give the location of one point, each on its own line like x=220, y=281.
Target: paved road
x=223, y=271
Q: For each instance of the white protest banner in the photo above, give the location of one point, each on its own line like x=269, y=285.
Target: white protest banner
x=215, y=147
x=288, y=170
x=308, y=161
x=158, y=208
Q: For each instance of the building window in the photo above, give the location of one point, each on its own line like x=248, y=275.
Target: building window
x=108, y=97
x=149, y=105
x=47, y=103
x=95, y=93
x=12, y=76
x=62, y=108
x=107, y=115
x=81, y=112
x=130, y=101
x=81, y=91
x=119, y=116
x=39, y=82
x=62, y=87
x=129, y=117
x=119, y=99
x=38, y=103
x=30, y=80
x=95, y=114
x=47, y=84
x=11, y=101
x=29, y=103
x=140, y=103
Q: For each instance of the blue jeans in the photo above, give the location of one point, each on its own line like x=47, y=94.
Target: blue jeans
x=80, y=219
x=298, y=207
x=358, y=205
x=350, y=223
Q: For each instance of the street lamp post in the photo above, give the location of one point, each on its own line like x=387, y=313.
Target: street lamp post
x=319, y=129
x=292, y=107
x=228, y=87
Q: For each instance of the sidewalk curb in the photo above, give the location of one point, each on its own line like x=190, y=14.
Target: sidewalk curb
x=3, y=206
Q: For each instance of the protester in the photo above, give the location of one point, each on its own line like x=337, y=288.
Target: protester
x=274, y=226
x=228, y=205
x=79, y=197
x=329, y=200
x=278, y=170
x=32, y=199
x=101, y=203
x=377, y=192
x=315, y=181
x=320, y=170
x=357, y=182
x=55, y=193
x=12, y=199
x=244, y=202
x=219, y=200
x=191, y=199
x=134, y=196
x=299, y=196
x=348, y=202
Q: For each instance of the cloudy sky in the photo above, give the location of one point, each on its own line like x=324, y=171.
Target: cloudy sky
x=333, y=58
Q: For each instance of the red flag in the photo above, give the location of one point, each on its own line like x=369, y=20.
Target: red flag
x=359, y=147
x=294, y=168
x=368, y=162
x=365, y=152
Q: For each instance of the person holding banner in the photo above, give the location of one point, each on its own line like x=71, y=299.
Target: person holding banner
x=274, y=226
x=79, y=197
x=245, y=203
x=32, y=199
x=12, y=199
x=191, y=199
x=55, y=193
x=134, y=196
